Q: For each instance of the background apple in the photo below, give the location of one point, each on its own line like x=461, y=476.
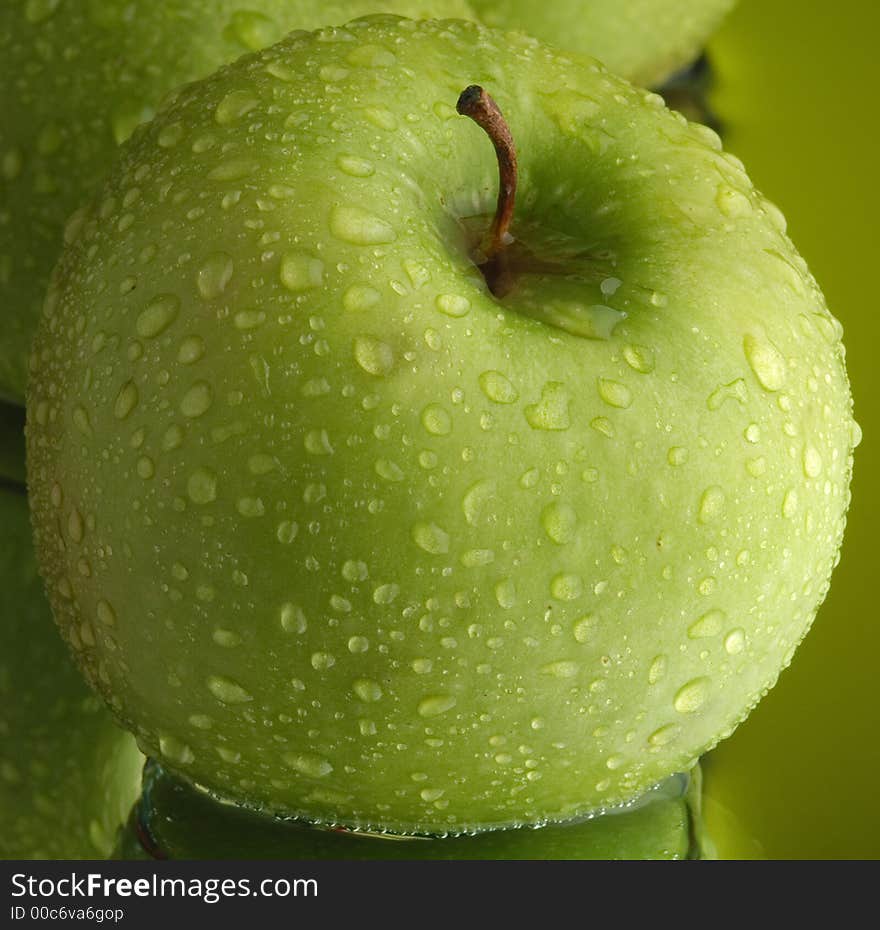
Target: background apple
x=799, y=779
x=178, y=822
x=76, y=78
x=642, y=40
x=11, y=445
x=365, y=543
x=68, y=774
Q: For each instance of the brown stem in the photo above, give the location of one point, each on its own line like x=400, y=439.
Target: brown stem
x=482, y=109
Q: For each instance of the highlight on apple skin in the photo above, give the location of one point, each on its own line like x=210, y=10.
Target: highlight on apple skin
x=368, y=545
x=68, y=774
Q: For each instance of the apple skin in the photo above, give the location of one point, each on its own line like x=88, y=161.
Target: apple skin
x=369, y=546
x=644, y=41
x=183, y=823
x=68, y=774
x=76, y=78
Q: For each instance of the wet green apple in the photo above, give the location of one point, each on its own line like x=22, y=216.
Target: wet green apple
x=68, y=774
x=642, y=40
x=75, y=78
x=343, y=535
x=176, y=821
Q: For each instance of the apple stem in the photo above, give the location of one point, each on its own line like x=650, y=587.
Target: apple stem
x=484, y=111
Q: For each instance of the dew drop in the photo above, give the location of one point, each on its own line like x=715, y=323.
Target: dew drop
x=560, y=669
x=157, y=316
x=453, y=305
x=227, y=691
x=551, y=412
x=202, y=486
x=126, y=400
x=317, y=442
x=367, y=690
x=300, y=271
x=710, y=624
x=690, y=697
x=311, y=766
x=234, y=105
x=559, y=521
x=175, y=751
x=354, y=166
x=431, y=538
x=214, y=274
x=358, y=227
x=197, y=400
x=639, y=358
x=766, y=362
x=388, y=470
x=566, y=587
x=812, y=462
x=614, y=393
x=360, y=297
x=436, y=420
x=373, y=356
x=711, y=504
x=105, y=612
x=435, y=705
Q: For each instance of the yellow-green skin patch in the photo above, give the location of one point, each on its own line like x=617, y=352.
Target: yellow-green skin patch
x=405, y=568
x=68, y=774
x=76, y=77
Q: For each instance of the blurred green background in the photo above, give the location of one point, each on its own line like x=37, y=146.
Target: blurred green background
x=795, y=90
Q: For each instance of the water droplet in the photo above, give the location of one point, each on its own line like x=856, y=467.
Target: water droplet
x=498, y=388
x=322, y=661
x=736, y=390
x=358, y=227
x=385, y=593
x=367, y=690
x=214, y=275
x=356, y=167
x=228, y=639
x=81, y=420
x=197, y=400
x=690, y=697
x=145, y=467
x=170, y=135
x=374, y=356
x=614, y=393
x=436, y=420
x=191, y=350
x=551, y=412
x=227, y=691
x=157, y=316
x=735, y=641
x=233, y=170
x=105, y=612
x=202, y=486
x=317, y=442
x=566, y=587
x=126, y=400
x=639, y=358
x=431, y=538
x=664, y=735
x=75, y=526
x=732, y=203
x=560, y=522
x=311, y=766
x=360, y=297
x=710, y=624
x=293, y=620
x=286, y=532
x=355, y=571
x=435, y=705
x=677, y=455
x=300, y=271
x=476, y=499
x=657, y=670
x=175, y=751
x=765, y=361
x=560, y=669
x=789, y=504
x=234, y=105
x=474, y=558
x=812, y=462
x=453, y=305
x=711, y=504
x=250, y=506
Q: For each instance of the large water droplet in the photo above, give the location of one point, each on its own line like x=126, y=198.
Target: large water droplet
x=431, y=538
x=435, y=705
x=373, y=355
x=202, y=486
x=690, y=697
x=234, y=105
x=214, y=274
x=551, y=412
x=559, y=521
x=300, y=271
x=358, y=227
x=307, y=764
x=157, y=316
x=227, y=691
x=766, y=362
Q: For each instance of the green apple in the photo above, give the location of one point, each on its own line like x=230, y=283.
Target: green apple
x=174, y=821
x=68, y=775
x=344, y=536
x=642, y=40
x=76, y=77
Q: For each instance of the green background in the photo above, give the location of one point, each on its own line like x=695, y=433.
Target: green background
x=795, y=89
